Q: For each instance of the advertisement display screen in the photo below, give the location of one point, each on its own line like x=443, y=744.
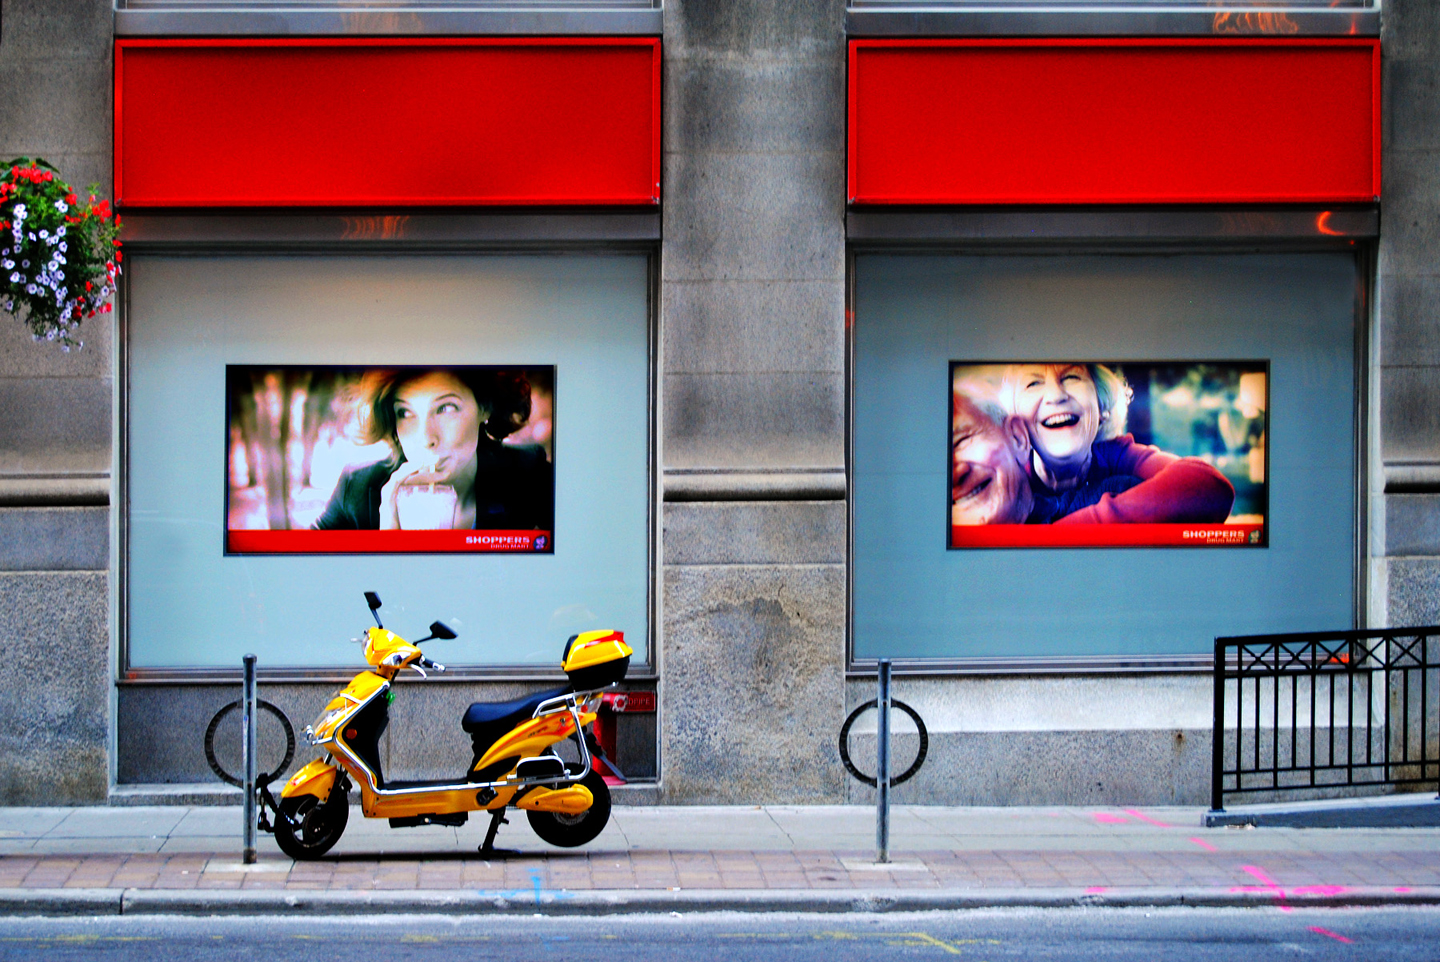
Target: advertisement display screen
x=1108, y=454
x=327, y=459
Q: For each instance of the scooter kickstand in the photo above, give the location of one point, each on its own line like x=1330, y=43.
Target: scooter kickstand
x=488, y=849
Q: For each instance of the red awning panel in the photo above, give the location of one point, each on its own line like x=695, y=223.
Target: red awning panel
x=387, y=122
x=1114, y=121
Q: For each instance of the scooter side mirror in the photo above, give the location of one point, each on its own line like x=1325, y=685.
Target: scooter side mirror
x=373, y=600
x=437, y=630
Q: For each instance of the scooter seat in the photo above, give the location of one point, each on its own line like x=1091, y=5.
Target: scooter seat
x=487, y=716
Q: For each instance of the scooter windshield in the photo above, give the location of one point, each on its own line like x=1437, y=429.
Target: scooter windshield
x=331, y=716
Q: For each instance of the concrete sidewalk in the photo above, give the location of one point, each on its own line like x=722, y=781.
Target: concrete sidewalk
x=814, y=858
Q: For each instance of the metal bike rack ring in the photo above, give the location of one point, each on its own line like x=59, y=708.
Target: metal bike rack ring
x=904, y=776
x=267, y=777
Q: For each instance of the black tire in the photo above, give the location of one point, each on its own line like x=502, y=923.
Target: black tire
x=307, y=828
x=568, y=831
x=263, y=778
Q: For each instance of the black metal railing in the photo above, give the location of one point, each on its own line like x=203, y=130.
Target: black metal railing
x=1326, y=710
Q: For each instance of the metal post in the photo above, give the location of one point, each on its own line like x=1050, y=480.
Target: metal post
x=1217, y=738
x=882, y=765
x=247, y=754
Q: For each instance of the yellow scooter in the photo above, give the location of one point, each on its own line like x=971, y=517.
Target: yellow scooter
x=515, y=763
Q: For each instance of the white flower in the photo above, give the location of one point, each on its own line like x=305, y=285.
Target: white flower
x=44, y=235
x=9, y=265
x=61, y=206
x=19, y=211
x=15, y=278
x=31, y=289
x=61, y=231
x=63, y=246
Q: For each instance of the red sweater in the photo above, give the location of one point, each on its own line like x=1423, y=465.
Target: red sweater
x=1172, y=488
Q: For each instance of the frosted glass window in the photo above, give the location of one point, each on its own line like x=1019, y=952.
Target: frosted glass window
x=914, y=314
x=585, y=316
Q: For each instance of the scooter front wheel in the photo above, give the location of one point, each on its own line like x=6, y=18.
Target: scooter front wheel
x=307, y=828
x=568, y=831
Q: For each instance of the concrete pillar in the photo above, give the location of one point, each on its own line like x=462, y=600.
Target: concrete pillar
x=55, y=437
x=1406, y=516
x=752, y=300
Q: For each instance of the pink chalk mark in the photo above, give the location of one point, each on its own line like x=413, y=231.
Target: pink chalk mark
x=1259, y=873
x=1204, y=844
x=1095, y=890
x=1403, y=888
x=1320, y=890
x=1280, y=893
x=1326, y=932
x=1269, y=886
x=1109, y=819
x=1146, y=818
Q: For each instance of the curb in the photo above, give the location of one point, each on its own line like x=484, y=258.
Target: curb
x=1415, y=810
x=61, y=901
x=552, y=902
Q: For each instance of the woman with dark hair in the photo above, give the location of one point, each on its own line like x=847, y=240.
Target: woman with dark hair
x=448, y=467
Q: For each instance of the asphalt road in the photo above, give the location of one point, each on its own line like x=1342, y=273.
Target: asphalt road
x=1111, y=935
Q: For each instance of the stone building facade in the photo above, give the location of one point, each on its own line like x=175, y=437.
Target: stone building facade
x=751, y=531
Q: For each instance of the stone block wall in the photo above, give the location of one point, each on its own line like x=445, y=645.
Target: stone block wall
x=1406, y=516
x=752, y=294
x=752, y=347
x=55, y=437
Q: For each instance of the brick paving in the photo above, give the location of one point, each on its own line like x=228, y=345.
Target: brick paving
x=681, y=870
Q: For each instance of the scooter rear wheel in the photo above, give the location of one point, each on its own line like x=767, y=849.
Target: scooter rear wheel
x=307, y=828
x=568, y=831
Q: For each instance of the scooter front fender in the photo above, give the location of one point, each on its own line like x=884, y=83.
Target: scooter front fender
x=317, y=779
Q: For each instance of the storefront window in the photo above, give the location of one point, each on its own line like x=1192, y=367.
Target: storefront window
x=1061, y=456
x=466, y=435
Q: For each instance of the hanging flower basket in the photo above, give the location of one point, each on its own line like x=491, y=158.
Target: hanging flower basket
x=60, y=255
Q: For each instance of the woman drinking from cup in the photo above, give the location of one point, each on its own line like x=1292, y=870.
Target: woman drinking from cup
x=448, y=467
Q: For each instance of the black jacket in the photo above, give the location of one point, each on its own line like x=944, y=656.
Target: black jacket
x=514, y=490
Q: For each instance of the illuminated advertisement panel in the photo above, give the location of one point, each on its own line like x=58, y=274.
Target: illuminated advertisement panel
x=349, y=459
x=1108, y=454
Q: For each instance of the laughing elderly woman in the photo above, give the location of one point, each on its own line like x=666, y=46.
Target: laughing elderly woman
x=1075, y=416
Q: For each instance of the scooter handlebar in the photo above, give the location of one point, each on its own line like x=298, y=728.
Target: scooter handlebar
x=426, y=663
